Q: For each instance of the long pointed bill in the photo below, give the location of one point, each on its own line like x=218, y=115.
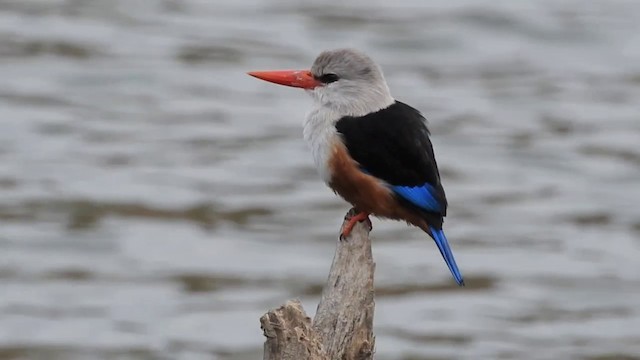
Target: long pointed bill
x=294, y=78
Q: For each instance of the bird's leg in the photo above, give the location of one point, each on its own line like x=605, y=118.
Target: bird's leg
x=354, y=216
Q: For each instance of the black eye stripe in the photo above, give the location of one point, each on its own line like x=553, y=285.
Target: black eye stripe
x=328, y=78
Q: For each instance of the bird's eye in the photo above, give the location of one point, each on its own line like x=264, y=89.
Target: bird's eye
x=328, y=78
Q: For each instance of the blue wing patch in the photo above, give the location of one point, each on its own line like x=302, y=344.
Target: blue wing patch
x=421, y=196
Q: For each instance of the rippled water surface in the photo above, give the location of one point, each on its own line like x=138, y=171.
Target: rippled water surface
x=155, y=201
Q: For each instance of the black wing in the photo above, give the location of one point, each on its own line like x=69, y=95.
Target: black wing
x=393, y=145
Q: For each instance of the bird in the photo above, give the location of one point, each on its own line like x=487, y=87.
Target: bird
x=370, y=149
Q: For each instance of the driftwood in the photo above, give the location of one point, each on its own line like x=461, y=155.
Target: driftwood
x=343, y=326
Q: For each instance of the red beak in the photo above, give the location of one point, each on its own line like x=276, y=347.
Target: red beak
x=294, y=78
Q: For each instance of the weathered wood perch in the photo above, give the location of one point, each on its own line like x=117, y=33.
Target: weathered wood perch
x=343, y=326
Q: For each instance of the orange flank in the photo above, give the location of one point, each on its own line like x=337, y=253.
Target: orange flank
x=367, y=193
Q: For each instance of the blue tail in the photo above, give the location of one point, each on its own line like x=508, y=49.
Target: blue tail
x=445, y=250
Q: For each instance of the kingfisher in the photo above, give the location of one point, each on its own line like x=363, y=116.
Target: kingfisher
x=370, y=149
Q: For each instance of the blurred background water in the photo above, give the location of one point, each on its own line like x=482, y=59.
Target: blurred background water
x=155, y=200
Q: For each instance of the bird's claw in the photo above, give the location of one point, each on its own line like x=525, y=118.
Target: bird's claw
x=354, y=216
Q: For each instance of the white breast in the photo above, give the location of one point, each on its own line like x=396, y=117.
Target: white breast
x=320, y=135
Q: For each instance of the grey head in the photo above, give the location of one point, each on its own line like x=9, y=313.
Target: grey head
x=353, y=85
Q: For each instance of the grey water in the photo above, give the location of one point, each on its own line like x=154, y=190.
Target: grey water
x=155, y=200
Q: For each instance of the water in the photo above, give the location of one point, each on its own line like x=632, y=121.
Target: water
x=155, y=201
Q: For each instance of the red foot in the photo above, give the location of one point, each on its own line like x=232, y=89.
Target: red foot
x=346, y=229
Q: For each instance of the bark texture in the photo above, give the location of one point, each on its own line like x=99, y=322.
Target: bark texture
x=343, y=326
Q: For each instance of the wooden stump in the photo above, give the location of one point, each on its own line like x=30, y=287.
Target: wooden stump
x=343, y=326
